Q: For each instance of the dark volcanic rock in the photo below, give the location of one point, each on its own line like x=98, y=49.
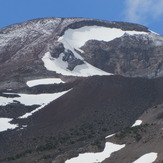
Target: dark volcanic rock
x=94, y=107
x=129, y=56
x=72, y=60
x=56, y=50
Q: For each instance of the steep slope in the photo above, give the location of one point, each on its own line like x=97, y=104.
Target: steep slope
x=143, y=140
x=93, y=109
x=67, y=83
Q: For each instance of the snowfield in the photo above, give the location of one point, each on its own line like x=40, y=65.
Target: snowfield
x=47, y=81
x=47, y=100
x=76, y=38
x=147, y=158
x=5, y=124
x=31, y=99
x=137, y=123
x=60, y=67
x=97, y=157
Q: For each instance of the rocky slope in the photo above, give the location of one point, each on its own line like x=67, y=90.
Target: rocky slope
x=67, y=83
x=124, y=54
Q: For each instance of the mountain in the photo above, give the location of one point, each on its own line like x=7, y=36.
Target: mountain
x=68, y=83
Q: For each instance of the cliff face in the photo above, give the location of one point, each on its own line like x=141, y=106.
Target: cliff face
x=131, y=56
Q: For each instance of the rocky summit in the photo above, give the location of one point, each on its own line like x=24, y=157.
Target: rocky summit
x=77, y=90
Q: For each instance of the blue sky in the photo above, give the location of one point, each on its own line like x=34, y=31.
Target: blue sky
x=145, y=12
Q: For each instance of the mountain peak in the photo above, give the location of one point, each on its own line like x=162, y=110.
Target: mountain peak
x=67, y=83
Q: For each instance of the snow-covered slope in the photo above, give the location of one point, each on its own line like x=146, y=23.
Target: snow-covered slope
x=147, y=158
x=61, y=67
x=5, y=124
x=76, y=38
x=97, y=157
x=73, y=40
x=30, y=99
x=63, y=40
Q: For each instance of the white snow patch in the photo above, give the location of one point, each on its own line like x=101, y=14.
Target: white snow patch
x=147, y=158
x=137, y=123
x=96, y=157
x=30, y=113
x=46, y=81
x=49, y=98
x=5, y=124
x=109, y=136
x=24, y=126
x=76, y=38
x=30, y=99
x=5, y=101
x=60, y=67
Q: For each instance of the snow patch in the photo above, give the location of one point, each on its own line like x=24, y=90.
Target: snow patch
x=147, y=158
x=46, y=101
x=76, y=38
x=137, y=123
x=5, y=124
x=60, y=67
x=31, y=99
x=46, y=81
x=96, y=157
x=109, y=136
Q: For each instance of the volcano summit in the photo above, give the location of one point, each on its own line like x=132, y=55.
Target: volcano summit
x=68, y=83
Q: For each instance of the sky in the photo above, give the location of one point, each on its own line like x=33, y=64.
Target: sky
x=144, y=12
